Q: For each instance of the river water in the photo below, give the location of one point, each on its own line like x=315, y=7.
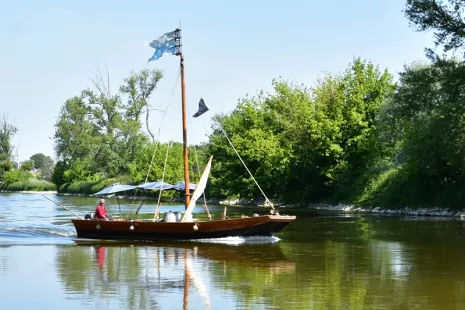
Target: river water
x=321, y=261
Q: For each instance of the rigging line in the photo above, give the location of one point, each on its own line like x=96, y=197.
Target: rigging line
x=224, y=132
x=161, y=123
x=148, y=172
x=204, y=205
x=153, y=157
x=157, y=212
x=159, y=131
x=171, y=97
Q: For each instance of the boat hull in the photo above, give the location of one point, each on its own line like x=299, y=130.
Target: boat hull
x=140, y=230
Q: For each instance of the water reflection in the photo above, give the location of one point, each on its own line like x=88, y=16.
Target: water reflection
x=353, y=267
x=323, y=261
x=146, y=277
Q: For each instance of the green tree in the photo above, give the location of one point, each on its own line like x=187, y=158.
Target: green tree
x=44, y=163
x=138, y=87
x=349, y=109
x=58, y=173
x=257, y=129
x=40, y=160
x=76, y=137
x=445, y=18
x=97, y=135
x=7, y=131
x=27, y=165
x=429, y=106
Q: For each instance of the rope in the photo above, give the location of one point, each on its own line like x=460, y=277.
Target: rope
x=161, y=123
x=151, y=161
x=159, y=132
x=157, y=212
x=224, y=132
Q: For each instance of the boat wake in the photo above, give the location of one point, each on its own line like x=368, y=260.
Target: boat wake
x=36, y=231
x=240, y=240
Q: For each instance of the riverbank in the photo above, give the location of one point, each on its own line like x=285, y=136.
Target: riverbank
x=346, y=208
x=29, y=185
x=30, y=192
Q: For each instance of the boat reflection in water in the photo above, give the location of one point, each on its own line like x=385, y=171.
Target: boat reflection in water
x=196, y=275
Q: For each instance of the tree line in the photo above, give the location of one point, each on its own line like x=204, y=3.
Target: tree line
x=356, y=136
x=38, y=169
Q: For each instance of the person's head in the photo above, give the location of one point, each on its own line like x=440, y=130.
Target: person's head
x=102, y=201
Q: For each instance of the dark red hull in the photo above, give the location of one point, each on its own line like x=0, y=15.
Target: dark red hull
x=140, y=230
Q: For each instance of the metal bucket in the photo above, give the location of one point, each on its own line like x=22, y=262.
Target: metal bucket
x=178, y=216
x=169, y=217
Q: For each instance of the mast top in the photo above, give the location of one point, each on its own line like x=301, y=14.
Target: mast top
x=177, y=40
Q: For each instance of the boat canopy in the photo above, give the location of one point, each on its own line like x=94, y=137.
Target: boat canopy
x=115, y=188
x=180, y=186
x=158, y=185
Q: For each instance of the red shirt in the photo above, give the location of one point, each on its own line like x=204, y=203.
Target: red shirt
x=100, y=212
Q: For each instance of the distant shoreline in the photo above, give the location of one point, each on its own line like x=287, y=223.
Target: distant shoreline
x=29, y=192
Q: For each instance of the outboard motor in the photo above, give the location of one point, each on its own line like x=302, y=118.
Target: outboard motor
x=169, y=217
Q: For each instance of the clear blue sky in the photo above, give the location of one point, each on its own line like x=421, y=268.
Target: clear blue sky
x=232, y=48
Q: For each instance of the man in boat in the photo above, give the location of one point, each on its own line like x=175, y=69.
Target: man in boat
x=101, y=212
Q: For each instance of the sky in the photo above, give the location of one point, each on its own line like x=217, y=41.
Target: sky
x=51, y=50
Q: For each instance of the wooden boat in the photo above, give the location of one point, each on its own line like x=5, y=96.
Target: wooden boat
x=266, y=225
x=185, y=229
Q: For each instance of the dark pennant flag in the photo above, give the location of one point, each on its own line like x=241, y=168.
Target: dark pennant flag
x=202, y=108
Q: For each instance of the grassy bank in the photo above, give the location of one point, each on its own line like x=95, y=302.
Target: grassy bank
x=28, y=185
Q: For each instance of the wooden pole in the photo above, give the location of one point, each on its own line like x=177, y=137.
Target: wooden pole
x=119, y=206
x=184, y=134
x=61, y=206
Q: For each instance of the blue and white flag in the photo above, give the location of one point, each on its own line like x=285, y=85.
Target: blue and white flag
x=164, y=44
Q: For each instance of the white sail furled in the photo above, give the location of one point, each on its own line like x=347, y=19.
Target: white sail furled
x=198, y=192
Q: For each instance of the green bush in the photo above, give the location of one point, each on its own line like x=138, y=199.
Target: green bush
x=13, y=176
x=379, y=190
x=29, y=185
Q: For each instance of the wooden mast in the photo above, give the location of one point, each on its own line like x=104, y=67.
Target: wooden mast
x=184, y=119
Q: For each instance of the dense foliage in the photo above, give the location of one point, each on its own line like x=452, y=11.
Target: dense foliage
x=304, y=144
x=429, y=110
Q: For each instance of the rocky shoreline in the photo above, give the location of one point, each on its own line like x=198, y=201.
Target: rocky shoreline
x=377, y=210
x=357, y=209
